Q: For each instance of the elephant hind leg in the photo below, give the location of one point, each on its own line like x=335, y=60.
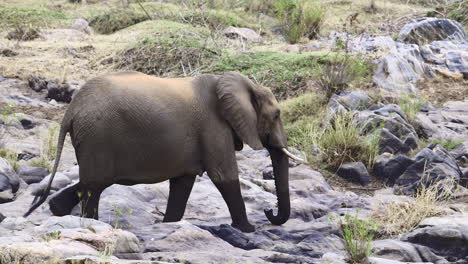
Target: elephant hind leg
x=179, y=192
x=89, y=200
x=62, y=202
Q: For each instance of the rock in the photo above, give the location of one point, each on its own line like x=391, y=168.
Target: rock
x=350, y=100
x=268, y=173
x=432, y=164
x=427, y=29
x=398, y=72
x=368, y=44
x=2, y=217
x=60, y=181
x=404, y=252
x=388, y=167
x=374, y=260
x=332, y=258
x=32, y=174
x=9, y=180
x=59, y=35
x=82, y=25
x=242, y=33
x=446, y=236
x=355, y=172
x=396, y=134
x=460, y=153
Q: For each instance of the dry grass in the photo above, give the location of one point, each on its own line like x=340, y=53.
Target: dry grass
x=401, y=217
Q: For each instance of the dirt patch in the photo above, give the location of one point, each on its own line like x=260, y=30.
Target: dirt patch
x=440, y=89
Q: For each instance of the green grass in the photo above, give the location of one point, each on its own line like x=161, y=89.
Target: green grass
x=48, y=149
x=13, y=17
x=285, y=73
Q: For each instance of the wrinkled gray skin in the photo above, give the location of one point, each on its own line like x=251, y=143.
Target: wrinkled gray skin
x=131, y=128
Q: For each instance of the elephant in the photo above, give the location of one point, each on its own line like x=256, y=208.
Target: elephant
x=131, y=128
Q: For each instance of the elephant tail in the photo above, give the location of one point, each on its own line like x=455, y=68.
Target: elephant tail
x=64, y=128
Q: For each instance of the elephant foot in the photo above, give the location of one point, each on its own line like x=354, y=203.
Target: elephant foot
x=58, y=208
x=246, y=227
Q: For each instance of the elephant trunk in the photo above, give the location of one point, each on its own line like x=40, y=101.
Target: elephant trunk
x=281, y=172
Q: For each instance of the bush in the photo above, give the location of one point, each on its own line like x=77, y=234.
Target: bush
x=357, y=235
x=299, y=19
x=164, y=56
x=344, y=141
x=286, y=74
x=341, y=72
x=116, y=19
x=459, y=11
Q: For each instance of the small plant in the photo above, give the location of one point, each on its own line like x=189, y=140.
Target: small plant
x=118, y=214
x=48, y=149
x=52, y=236
x=410, y=105
x=357, y=235
x=7, y=114
x=338, y=74
x=11, y=156
x=83, y=204
x=299, y=19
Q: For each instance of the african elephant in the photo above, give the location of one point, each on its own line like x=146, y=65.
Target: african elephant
x=131, y=128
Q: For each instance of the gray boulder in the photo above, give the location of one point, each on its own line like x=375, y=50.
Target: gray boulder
x=460, y=153
x=350, y=100
x=354, y=172
x=60, y=181
x=404, y=252
x=82, y=25
x=388, y=167
x=369, y=44
x=446, y=236
x=432, y=164
x=9, y=181
x=397, y=135
x=427, y=29
x=32, y=174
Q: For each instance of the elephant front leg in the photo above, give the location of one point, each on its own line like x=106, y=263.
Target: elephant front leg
x=179, y=192
x=230, y=190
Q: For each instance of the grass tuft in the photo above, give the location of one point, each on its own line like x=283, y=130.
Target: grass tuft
x=48, y=149
x=402, y=217
x=410, y=105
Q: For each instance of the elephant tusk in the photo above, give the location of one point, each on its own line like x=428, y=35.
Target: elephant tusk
x=292, y=156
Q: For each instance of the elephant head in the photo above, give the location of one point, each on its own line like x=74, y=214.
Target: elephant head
x=254, y=115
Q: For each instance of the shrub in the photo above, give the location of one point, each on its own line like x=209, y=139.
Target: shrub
x=357, y=235
x=401, y=217
x=286, y=74
x=341, y=72
x=164, y=56
x=11, y=156
x=116, y=19
x=299, y=19
x=344, y=141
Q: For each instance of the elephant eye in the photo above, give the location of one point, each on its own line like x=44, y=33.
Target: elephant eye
x=277, y=114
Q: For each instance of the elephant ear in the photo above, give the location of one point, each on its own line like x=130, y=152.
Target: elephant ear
x=235, y=94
